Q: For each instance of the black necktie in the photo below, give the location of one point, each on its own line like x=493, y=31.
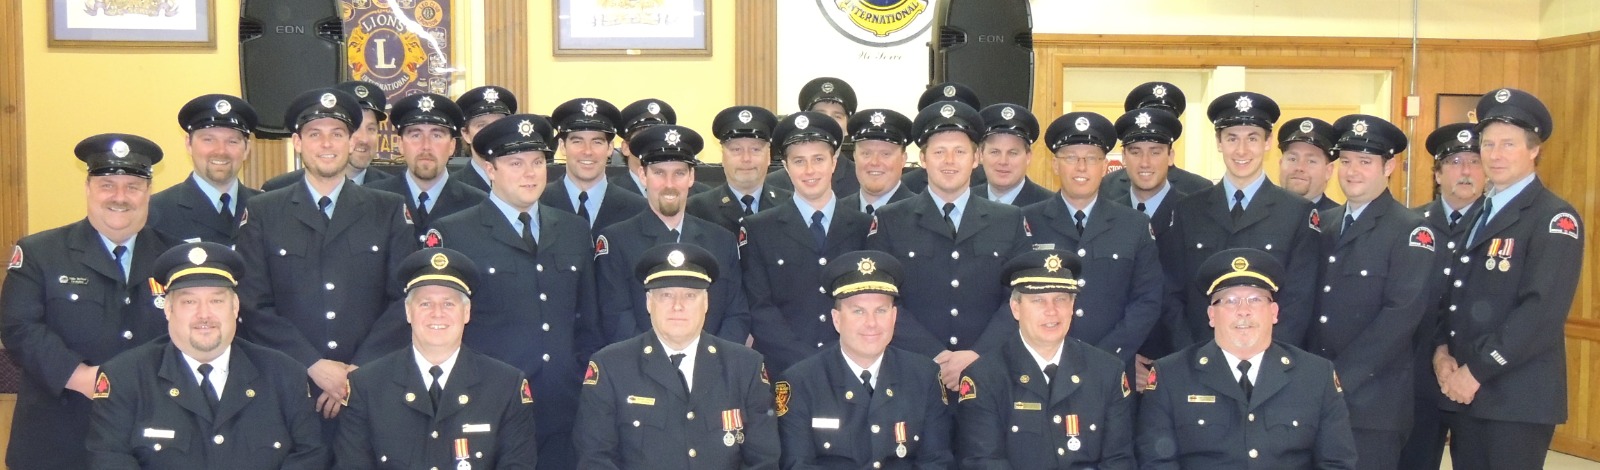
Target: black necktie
x=948, y=208
x=225, y=211
x=676, y=237
x=1238, y=204
x=1483, y=219
x=527, y=232
x=206, y=387
x=869, y=209
x=1140, y=207
x=434, y=389
x=866, y=380
x=1244, y=379
x=116, y=256
x=322, y=207
x=818, y=232
x=583, y=205
x=1349, y=220
x=422, y=210
x=1077, y=218
x=1455, y=218
x=677, y=361
x=749, y=204
x=1050, y=372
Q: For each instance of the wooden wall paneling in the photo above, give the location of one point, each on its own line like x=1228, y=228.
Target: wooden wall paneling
x=755, y=62
x=505, y=46
x=266, y=161
x=13, y=139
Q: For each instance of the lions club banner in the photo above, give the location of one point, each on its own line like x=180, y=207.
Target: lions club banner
x=403, y=46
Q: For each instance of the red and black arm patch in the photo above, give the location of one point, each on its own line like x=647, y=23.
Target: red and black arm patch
x=1422, y=237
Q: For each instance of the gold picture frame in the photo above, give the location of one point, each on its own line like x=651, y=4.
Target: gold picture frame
x=133, y=23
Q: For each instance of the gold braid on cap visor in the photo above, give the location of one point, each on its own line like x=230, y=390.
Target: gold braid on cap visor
x=439, y=277
x=1273, y=286
x=868, y=285
x=200, y=270
x=677, y=272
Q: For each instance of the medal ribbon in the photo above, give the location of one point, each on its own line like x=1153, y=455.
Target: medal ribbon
x=1072, y=425
x=900, y=432
x=731, y=421
x=1506, y=247
x=461, y=449
x=156, y=289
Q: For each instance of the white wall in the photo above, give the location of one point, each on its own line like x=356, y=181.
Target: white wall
x=1564, y=17
x=1454, y=19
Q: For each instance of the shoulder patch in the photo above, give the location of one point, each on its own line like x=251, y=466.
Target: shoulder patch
x=1152, y=384
x=764, y=378
x=1316, y=221
x=968, y=389
x=433, y=239
x=1336, y=386
x=744, y=238
x=102, y=387
x=1562, y=224
x=1125, y=390
x=780, y=397
x=1422, y=237
x=873, y=229
x=406, y=212
x=601, y=248
x=527, y=393
x=244, y=217
x=591, y=376
x=16, y=257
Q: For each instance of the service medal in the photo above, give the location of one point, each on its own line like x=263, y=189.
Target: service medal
x=1073, y=444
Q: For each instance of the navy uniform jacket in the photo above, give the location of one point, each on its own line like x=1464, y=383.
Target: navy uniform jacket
x=626, y=183
x=1011, y=418
x=454, y=197
x=616, y=207
x=622, y=305
x=719, y=206
x=319, y=289
x=64, y=304
x=184, y=212
x=536, y=313
x=468, y=176
x=852, y=201
x=635, y=413
x=1121, y=298
x=389, y=422
x=844, y=176
x=1506, y=326
x=789, y=306
x=286, y=179
x=1115, y=188
x=1447, y=249
x=953, y=287
x=156, y=416
x=1196, y=416
x=828, y=419
x=916, y=179
x=1031, y=193
x=1281, y=224
x=1378, y=288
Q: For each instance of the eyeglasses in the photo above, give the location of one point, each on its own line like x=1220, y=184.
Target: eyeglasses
x=1235, y=302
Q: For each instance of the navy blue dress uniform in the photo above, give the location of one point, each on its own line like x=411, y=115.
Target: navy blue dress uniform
x=637, y=410
x=455, y=196
x=482, y=101
x=953, y=287
x=637, y=116
x=818, y=90
x=1378, y=280
x=1195, y=414
x=877, y=124
x=590, y=114
x=186, y=212
x=721, y=205
x=1158, y=126
x=536, y=307
x=1007, y=118
x=1425, y=447
x=66, y=302
x=1013, y=414
x=620, y=247
x=1281, y=224
x=1117, y=250
x=1511, y=290
x=372, y=99
x=484, y=416
x=783, y=264
x=320, y=287
x=1319, y=134
x=154, y=412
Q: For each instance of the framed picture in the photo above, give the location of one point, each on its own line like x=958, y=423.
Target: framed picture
x=1455, y=108
x=133, y=23
x=632, y=27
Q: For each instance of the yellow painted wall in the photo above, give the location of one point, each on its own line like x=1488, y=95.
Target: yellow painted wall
x=73, y=93
x=1564, y=17
x=1454, y=19
x=696, y=87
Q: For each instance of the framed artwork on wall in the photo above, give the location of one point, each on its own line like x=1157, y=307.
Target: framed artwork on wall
x=1454, y=108
x=133, y=23
x=632, y=27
